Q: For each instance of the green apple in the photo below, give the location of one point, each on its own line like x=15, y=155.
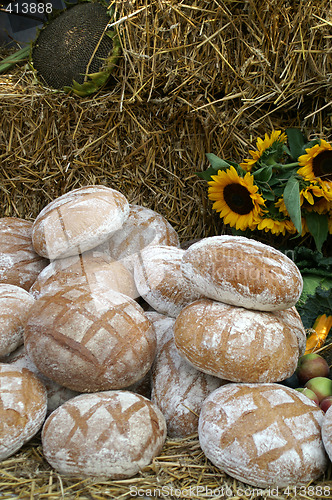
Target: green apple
x=309, y=393
x=310, y=366
x=321, y=386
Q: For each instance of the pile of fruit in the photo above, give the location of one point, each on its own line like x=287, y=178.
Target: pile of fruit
x=313, y=378
x=112, y=337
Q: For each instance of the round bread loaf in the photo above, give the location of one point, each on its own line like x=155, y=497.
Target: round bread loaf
x=15, y=304
x=113, y=435
x=19, y=263
x=159, y=280
x=23, y=404
x=292, y=319
x=88, y=340
x=242, y=272
x=236, y=344
x=263, y=434
x=78, y=221
x=163, y=327
x=179, y=389
x=144, y=227
x=92, y=269
x=56, y=394
x=327, y=432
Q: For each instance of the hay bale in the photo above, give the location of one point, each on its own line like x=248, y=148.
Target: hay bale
x=193, y=78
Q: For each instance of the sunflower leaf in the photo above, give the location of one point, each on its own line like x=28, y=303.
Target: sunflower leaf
x=292, y=202
x=206, y=174
x=216, y=162
x=263, y=174
x=296, y=142
x=318, y=227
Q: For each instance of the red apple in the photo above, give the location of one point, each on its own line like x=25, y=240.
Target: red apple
x=311, y=365
x=321, y=386
x=309, y=393
x=326, y=403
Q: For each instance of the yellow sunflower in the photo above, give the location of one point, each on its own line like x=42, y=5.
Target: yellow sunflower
x=312, y=197
x=236, y=198
x=316, y=164
x=276, y=226
x=263, y=145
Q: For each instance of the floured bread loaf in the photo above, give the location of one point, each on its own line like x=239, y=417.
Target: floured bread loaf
x=327, y=432
x=179, y=389
x=56, y=394
x=242, y=272
x=23, y=404
x=292, y=319
x=15, y=303
x=159, y=280
x=92, y=269
x=112, y=434
x=235, y=343
x=144, y=227
x=78, y=221
x=88, y=340
x=163, y=326
x=19, y=263
x=263, y=434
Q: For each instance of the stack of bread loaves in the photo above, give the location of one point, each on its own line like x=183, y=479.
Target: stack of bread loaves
x=84, y=330
x=245, y=329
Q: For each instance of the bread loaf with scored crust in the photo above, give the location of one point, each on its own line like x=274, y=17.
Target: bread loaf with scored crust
x=144, y=227
x=242, y=272
x=235, y=343
x=20, y=264
x=179, y=389
x=95, y=270
x=265, y=435
x=23, y=405
x=112, y=435
x=15, y=304
x=159, y=280
x=56, y=394
x=90, y=340
x=78, y=221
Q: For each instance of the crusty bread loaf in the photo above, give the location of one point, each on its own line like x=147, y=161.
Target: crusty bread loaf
x=327, y=432
x=78, y=221
x=292, y=319
x=19, y=263
x=23, y=405
x=242, y=272
x=15, y=303
x=179, y=389
x=112, y=434
x=159, y=280
x=163, y=328
x=56, y=394
x=144, y=227
x=263, y=434
x=235, y=343
x=90, y=340
x=92, y=269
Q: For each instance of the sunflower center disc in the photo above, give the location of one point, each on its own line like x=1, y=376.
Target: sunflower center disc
x=238, y=199
x=322, y=165
x=73, y=44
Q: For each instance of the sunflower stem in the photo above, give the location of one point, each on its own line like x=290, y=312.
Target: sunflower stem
x=287, y=165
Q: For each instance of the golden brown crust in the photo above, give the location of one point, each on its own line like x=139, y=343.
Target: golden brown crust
x=90, y=340
x=243, y=272
x=235, y=343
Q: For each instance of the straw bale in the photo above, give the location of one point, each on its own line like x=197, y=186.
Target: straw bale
x=194, y=77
